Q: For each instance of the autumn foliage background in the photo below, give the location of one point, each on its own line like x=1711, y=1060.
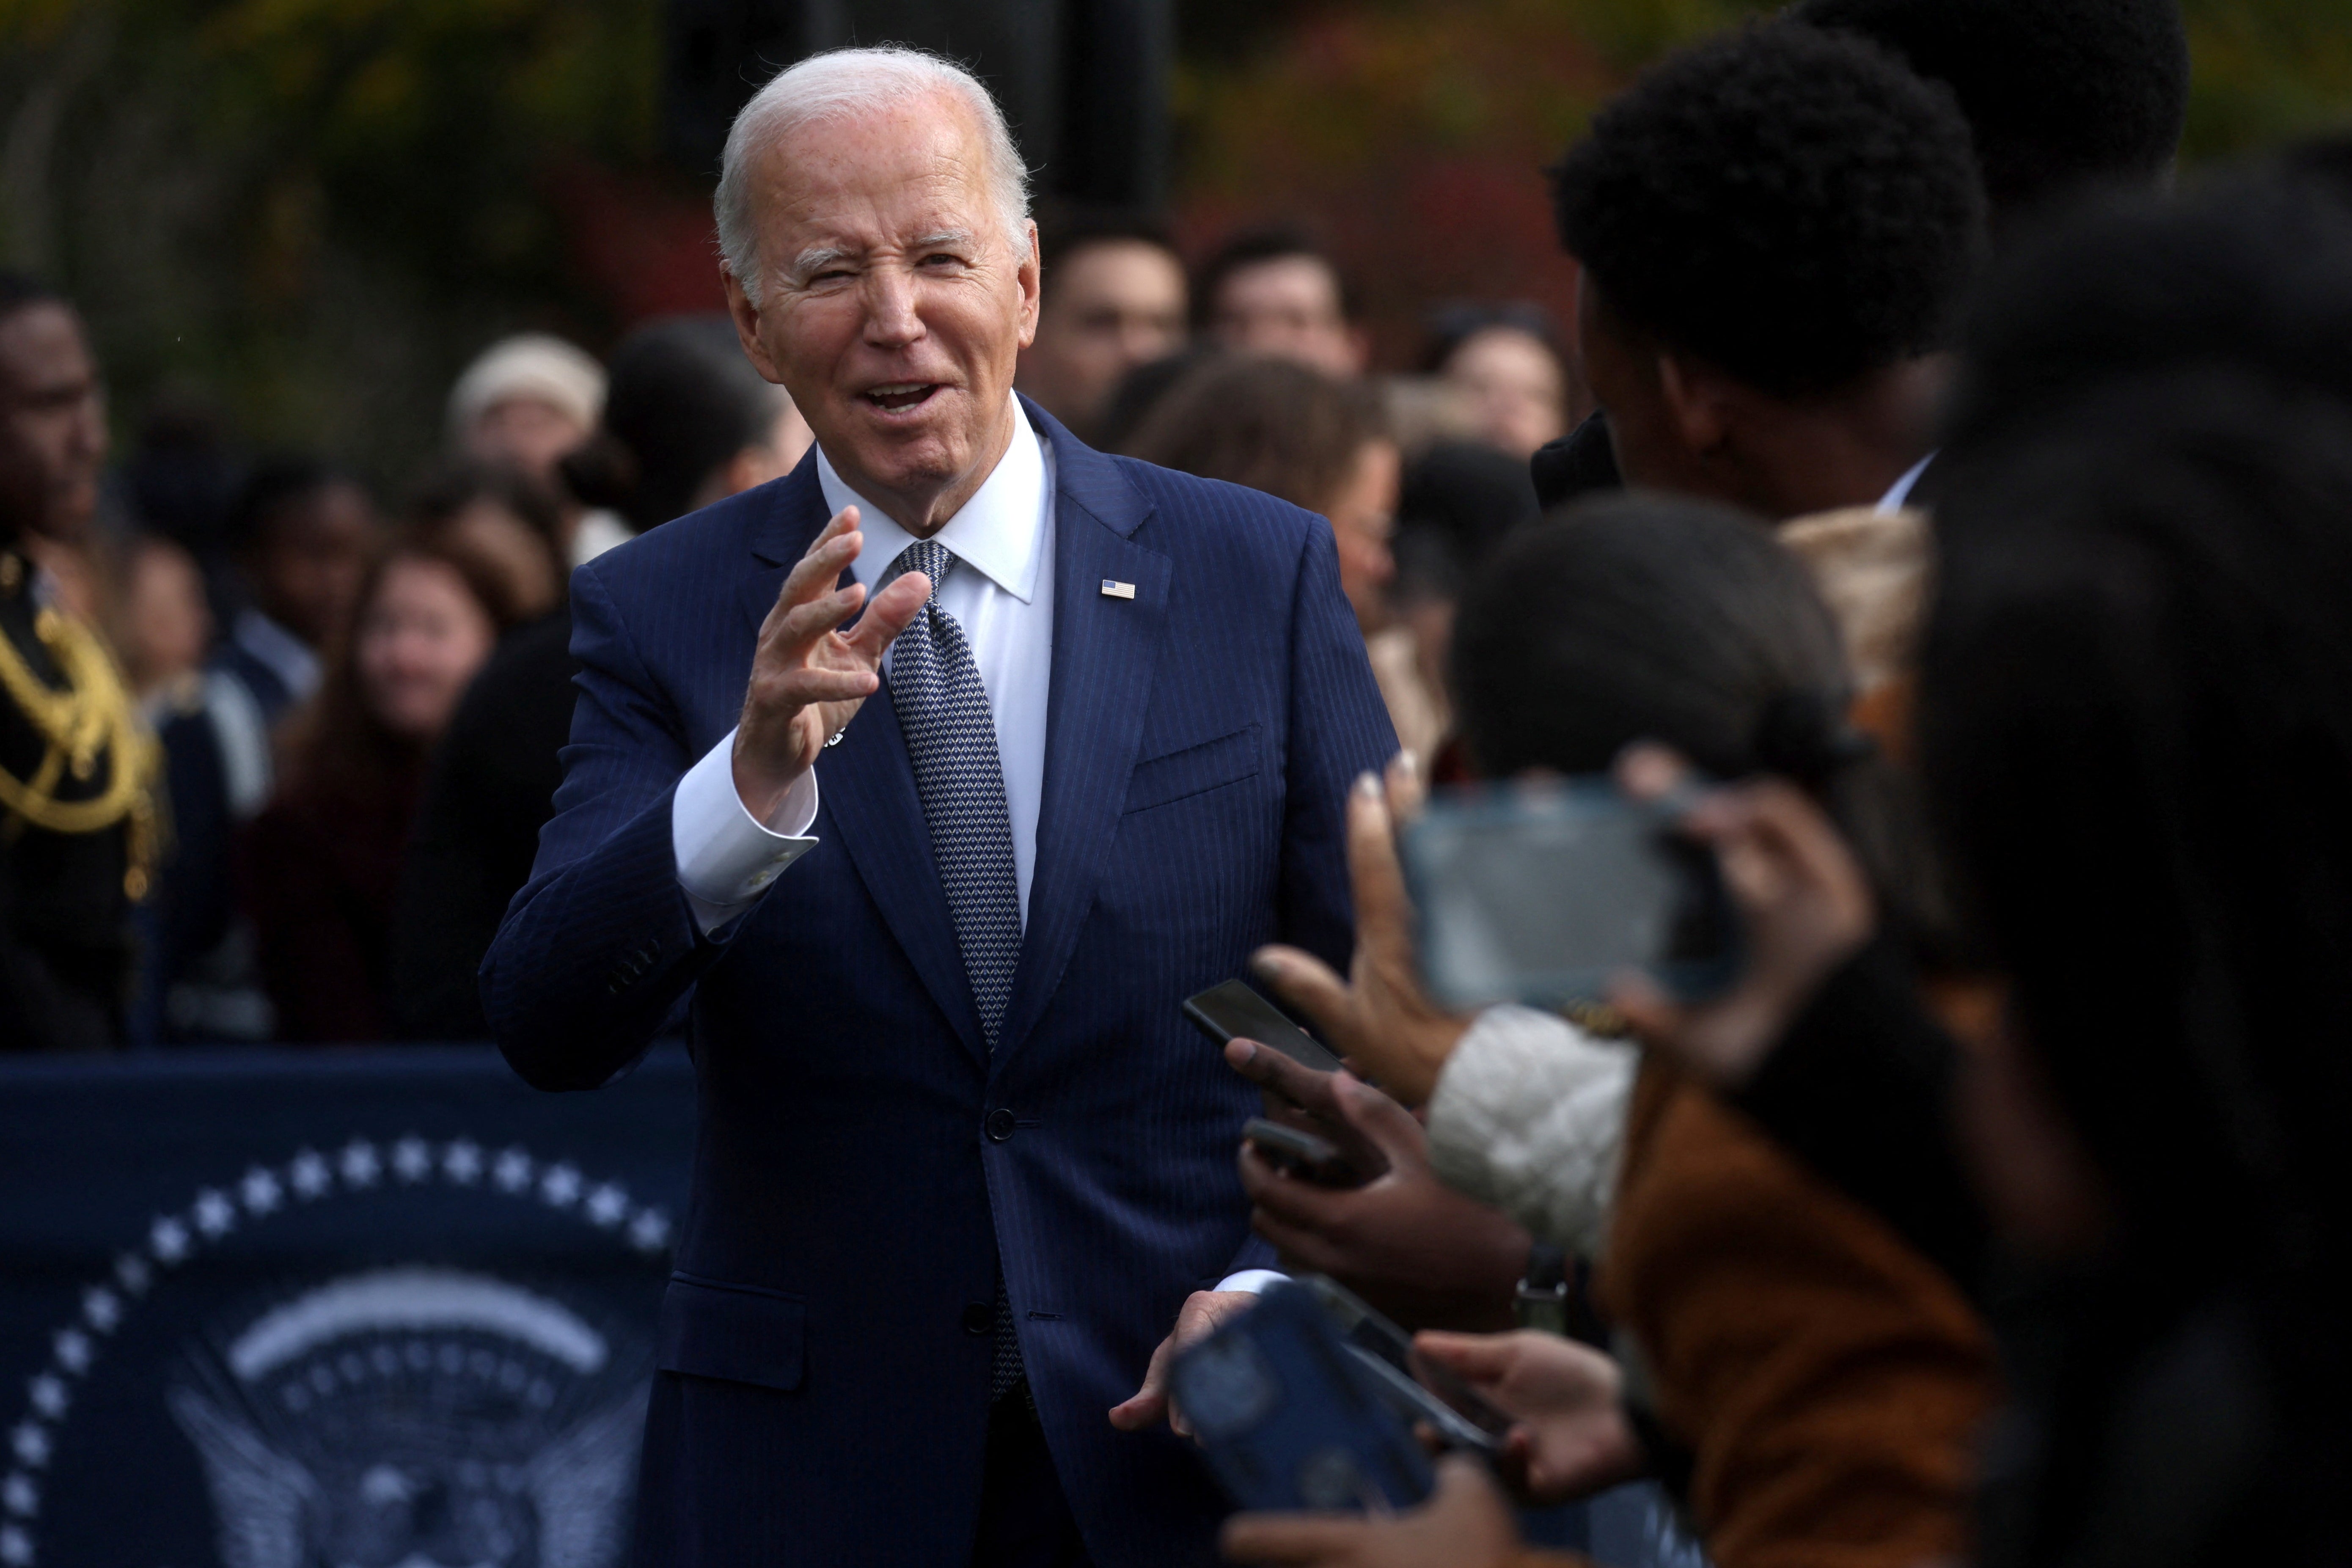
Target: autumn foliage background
x=302, y=215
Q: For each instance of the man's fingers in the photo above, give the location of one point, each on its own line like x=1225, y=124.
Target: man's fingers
x=1382, y=911
x=1647, y=770
x=1386, y=1125
x=827, y=557
x=1300, y=1245
x=1407, y=791
x=1268, y=1069
x=804, y=686
x=1481, y=1358
x=803, y=624
x=1147, y=1404
x=1293, y=1201
x=1278, y=1538
x=1308, y=983
x=892, y=611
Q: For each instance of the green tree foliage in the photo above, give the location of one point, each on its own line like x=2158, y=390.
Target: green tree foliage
x=307, y=211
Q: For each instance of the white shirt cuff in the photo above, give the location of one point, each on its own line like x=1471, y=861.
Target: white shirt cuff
x=726, y=857
x=1254, y=1281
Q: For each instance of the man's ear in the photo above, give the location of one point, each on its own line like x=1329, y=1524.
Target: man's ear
x=1696, y=402
x=746, y=316
x=1030, y=275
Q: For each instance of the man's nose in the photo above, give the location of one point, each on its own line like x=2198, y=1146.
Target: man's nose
x=892, y=317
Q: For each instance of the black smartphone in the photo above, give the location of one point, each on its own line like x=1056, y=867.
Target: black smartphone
x=1540, y=893
x=1462, y=1417
x=1301, y=1153
x=1289, y=1417
x=1234, y=1011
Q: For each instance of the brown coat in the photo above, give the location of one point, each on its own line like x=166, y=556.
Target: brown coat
x=1828, y=1380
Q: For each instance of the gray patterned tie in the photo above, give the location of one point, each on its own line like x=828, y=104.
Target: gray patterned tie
x=951, y=739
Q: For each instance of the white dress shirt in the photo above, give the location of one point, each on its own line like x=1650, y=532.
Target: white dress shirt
x=1001, y=592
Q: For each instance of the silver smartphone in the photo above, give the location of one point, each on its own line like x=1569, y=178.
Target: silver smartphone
x=1540, y=893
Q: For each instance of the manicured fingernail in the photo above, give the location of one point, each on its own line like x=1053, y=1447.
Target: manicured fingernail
x=1368, y=786
x=1406, y=765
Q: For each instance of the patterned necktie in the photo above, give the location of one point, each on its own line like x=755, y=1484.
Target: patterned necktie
x=951, y=739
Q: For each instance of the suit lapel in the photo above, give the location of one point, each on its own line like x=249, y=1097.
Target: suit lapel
x=1106, y=651
x=866, y=784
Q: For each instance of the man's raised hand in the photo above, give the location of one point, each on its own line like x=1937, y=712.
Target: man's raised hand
x=809, y=676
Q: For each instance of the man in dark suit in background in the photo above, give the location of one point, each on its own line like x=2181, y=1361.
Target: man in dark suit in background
x=1085, y=729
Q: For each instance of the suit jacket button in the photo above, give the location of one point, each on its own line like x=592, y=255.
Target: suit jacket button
x=979, y=1317
x=999, y=1125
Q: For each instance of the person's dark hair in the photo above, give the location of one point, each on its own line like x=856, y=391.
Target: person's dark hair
x=1139, y=392
x=1270, y=424
x=681, y=400
x=1638, y=617
x=1792, y=205
x=20, y=290
x=273, y=486
x=2060, y=95
x=2135, y=706
x=1633, y=617
x=1450, y=326
x=2251, y=269
x=1458, y=500
x=450, y=488
x=336, y=747
x=1064, y=232
x=1270, y=242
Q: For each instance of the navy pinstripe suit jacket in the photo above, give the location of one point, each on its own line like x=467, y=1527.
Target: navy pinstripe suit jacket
x=821, y=1395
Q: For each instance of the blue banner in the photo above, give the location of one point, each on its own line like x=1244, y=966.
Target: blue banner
x=381, y=1309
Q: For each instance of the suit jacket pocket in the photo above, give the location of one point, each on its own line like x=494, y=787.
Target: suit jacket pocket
x=1196, y=770
x=741, y=1333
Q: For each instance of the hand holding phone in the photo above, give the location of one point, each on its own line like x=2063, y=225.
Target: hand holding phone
x=1300, y=1153
x=1234, y=1011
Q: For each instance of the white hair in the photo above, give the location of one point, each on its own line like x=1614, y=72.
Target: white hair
x=845, y=82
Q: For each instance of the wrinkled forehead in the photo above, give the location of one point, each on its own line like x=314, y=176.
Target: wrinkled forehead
x=916, y=167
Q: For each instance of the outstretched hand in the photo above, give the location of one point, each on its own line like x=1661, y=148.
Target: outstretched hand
x=1571, y=1438
x=1805, y=908
x=1404, y=1241
x=1205, y=1312
x=809, y=678
x=1379, y=1018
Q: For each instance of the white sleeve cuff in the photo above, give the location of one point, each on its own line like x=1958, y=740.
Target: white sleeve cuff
x=1528, y=1117
x=1254, y=1281
x=726, y=857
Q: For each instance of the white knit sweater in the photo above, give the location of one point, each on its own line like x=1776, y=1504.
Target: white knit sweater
x=1530, y=1116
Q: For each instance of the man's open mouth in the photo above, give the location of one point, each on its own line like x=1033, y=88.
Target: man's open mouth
x=899, y=398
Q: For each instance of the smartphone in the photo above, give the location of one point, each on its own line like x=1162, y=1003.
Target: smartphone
x=1301, y=1153
x=1289, y=1418
x=1540, y=893
x=1422, y=1390
x=1234, y=1011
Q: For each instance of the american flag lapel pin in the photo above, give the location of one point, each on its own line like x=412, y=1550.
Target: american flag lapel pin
x=1114, y=589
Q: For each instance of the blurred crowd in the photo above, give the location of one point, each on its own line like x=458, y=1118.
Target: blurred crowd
x=1925, y=464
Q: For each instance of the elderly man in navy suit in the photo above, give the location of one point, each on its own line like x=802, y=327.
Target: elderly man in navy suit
x=937, y=774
